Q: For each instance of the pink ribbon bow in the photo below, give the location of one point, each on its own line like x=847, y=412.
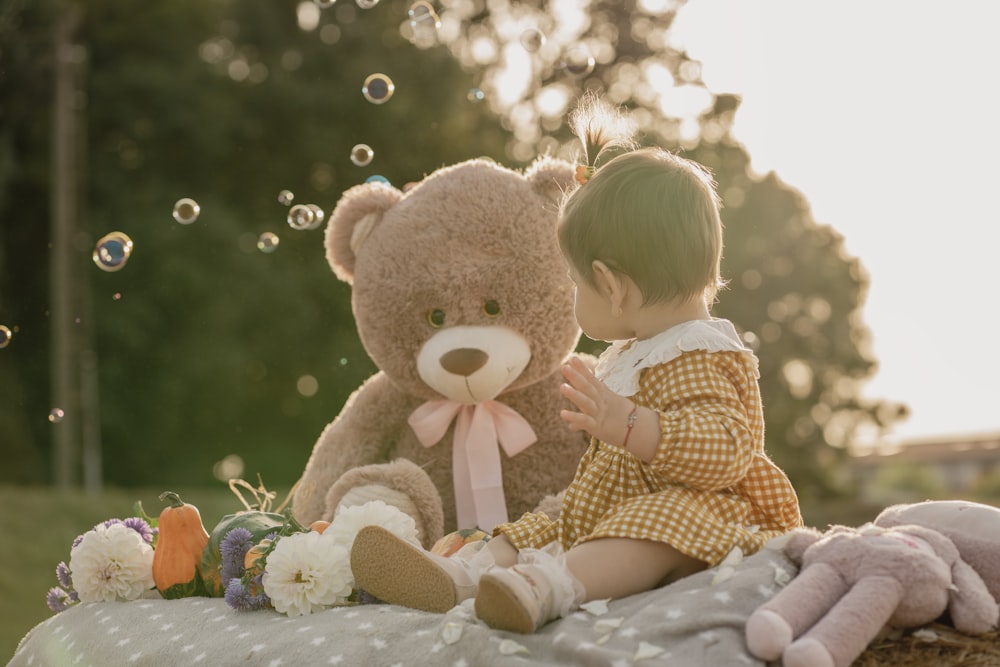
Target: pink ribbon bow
x=476, y=467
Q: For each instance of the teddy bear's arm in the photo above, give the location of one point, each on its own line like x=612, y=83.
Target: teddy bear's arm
x=362, y=433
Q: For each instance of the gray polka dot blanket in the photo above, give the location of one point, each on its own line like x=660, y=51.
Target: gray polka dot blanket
x=697, y=621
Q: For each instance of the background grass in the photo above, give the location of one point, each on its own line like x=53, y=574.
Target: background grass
x=38, y=526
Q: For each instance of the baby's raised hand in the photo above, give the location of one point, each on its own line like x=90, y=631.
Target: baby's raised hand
x=600, y=412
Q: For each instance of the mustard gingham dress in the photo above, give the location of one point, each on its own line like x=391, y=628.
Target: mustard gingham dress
x=710, y=487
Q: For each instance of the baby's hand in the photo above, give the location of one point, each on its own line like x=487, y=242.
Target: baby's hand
x=602, y=413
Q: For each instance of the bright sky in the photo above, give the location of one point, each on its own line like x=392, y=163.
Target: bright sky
x=884, y=114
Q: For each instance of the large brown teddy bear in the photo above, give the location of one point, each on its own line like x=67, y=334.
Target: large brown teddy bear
x=462, y=299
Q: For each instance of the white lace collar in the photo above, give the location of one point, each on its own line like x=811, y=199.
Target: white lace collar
x=620, y=365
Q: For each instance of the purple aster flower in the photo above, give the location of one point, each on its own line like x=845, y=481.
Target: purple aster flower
x=234, y=549
x=140, y=526
x=109, y=522
x=63, y=575
x=245, y=597
x=74, y=597
x=57, y=599
x=79, y=538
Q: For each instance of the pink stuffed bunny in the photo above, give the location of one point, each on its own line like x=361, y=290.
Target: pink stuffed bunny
x=853, y=582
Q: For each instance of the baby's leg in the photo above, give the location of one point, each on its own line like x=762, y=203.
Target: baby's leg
x=504, y=552
x=614, y=567
x=524, y=597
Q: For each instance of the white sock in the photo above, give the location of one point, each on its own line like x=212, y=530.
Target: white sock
x=567, y=591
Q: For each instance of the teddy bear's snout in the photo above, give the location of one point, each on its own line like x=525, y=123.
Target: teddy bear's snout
x=464, y=361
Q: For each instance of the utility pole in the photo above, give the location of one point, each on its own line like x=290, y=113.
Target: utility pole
x=69, y=60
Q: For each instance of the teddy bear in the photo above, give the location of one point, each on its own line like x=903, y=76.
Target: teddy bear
x=462, y=300
x=855, y=581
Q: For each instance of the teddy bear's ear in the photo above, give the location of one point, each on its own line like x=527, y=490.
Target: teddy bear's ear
x=552, y=178
x=355, y=216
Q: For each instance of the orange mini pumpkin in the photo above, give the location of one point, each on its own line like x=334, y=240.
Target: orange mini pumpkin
x=179, y=545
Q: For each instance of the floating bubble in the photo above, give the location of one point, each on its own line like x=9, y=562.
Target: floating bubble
x=286, y=197
x=475, y=95
x=56, y=415
x=300, y=217
x=362, y=155
x=532, y=39
x=112, y=251
x=318, y=216
x=422, y=14
x=324, y=4
x=578, y=61
x=5, y=336
x=186, y=211
x=377, y=178
x=366, y=4
x=117, y=296
x=268, y=242
x=378, y=88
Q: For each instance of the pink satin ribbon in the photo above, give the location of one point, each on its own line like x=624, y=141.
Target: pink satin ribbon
x=476, y=468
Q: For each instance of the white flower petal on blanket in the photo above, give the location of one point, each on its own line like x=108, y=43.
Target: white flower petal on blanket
x=451, y=632
x=307, y=572
x=647, y=651
x=608, y=624
x=722, y=574
x=511, y=647
x=926, y=635
x=781, y=576
x=111, y=563
x=596, y=607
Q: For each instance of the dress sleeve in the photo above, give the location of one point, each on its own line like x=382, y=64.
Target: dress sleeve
x=707, y=431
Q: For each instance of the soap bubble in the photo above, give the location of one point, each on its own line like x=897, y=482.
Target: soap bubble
x=186, y=211
x=117, y=296
x=112, y=251
x=532, y=39
x=56, y=415
x=318, y=216
x=475, y=95
x=377, y=178
x=422, y=14
x=578, y=61
x=362, y=155
x=324, y=4
x=5, y=336
x=378, y=88
x=366, y=4
x=268, y=242
x=301, y=217
x=286, y=197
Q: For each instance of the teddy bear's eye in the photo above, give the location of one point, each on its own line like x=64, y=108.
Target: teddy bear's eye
x=491, y=308
x=436, y=318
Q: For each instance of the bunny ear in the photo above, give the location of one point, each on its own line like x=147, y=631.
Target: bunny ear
x=357, y=214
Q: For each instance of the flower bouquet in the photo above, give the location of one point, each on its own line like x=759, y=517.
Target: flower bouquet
x=255, y=559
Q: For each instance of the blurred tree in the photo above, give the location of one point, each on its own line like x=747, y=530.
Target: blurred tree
x=208, y=347
x=794, y=290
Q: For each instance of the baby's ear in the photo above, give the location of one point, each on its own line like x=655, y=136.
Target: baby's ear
x=552, y=178
x=355, y=216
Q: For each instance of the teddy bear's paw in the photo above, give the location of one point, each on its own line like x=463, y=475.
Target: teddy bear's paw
x=359, y=495
x=767, y=634
x=807, y=652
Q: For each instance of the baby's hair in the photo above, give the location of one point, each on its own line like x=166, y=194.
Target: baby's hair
x=646, y=213
x=600, y=128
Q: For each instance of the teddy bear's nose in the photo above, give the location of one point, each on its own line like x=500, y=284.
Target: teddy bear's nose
x=464, y=361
